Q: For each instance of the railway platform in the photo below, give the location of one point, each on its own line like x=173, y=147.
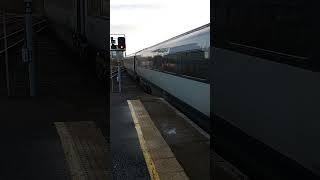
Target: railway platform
x=152, y=139
x=63, y=133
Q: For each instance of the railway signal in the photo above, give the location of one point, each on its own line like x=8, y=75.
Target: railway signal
x=117, y=51
x=113, y=46
x=121, y=43
x=118, y=42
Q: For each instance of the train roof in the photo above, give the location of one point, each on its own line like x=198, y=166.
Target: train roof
x=130, y=55
x=178, y=36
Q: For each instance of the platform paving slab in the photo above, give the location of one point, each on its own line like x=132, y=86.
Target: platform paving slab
x=85, y=149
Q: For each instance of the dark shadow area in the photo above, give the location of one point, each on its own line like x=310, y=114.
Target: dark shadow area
x=66, y=85
x=264, y=96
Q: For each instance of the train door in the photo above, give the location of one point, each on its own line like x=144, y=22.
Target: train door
x=134, y=64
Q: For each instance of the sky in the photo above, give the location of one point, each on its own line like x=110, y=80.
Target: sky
x=148, y=22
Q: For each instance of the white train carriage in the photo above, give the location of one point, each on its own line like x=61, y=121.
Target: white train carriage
x=179, y=67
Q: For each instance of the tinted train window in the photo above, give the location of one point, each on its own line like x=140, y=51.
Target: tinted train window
x=275, y=25
x=137, y=61
x=145, y=62
x=157, y=63
x=194, y=64
x=171, y=63
x=149, y=63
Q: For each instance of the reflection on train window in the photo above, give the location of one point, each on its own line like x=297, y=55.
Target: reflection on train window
x=170, y=63
x=145, y=62
x=157, y=63
x=272, y=25
x=194, y=64
x=149, y=62
x=128, y=62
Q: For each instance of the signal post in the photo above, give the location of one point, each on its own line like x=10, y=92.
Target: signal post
x=117, y=53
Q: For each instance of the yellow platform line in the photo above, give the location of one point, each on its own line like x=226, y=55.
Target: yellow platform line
x=160, y=160
x=151, y=167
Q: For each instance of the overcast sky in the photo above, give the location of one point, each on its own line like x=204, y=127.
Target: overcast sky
x=148, y=22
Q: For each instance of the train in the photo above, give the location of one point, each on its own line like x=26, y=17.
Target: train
x=265, y=74
x=254, y=79
x=178, y=68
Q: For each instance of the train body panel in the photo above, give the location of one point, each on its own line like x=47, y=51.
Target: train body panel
x=173, y=66
x=129, y=64
x=269, y=97
x=272, y=102
x=181, y=88
x=265, y=71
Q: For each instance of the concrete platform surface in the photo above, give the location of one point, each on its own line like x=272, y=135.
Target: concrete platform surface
x=161, y=161
x=127, y=158
x=190, y=147
x=85, y=149
x=189, y=144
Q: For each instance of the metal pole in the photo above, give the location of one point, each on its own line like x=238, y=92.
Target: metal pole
x=29, y=47
x=111, y=75
x=111, y=84
x=6, y=53
x=119, y=76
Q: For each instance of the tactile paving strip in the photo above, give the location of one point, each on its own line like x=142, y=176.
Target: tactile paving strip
x=85, y=149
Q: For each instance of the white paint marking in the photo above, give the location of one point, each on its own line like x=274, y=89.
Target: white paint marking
x=201, y=131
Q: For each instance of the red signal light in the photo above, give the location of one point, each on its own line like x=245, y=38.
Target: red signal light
x=121, y=43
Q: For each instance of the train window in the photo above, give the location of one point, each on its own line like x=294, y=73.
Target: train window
x=276, y=25
x=137, y=61
x=194, y=64
x=141, y=62
x=171, y=63
x=145, y=62
x=150, y=62
x=157, y=63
